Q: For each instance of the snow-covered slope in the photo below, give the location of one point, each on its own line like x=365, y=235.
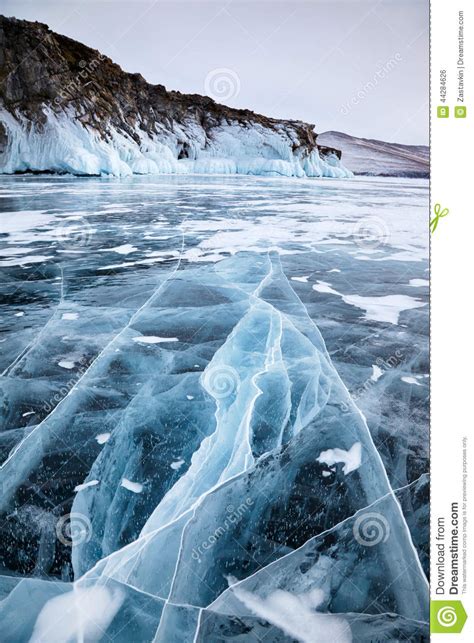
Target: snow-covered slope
x=379, y=158
x=67, y=108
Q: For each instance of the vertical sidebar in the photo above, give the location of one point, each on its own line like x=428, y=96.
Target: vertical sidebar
x=452, y=254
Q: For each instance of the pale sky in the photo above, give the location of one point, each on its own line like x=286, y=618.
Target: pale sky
x=317, y=61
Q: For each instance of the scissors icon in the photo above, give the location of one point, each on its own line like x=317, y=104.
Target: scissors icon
x=438, y=215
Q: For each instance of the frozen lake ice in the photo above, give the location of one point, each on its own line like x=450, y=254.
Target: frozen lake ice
x=191, y=356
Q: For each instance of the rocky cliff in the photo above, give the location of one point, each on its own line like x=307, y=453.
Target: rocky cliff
x=65, y=107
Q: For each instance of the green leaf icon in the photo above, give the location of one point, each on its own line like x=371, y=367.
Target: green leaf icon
x=447, y=617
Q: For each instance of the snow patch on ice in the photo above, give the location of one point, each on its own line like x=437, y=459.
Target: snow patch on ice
x=410, y=380
x=83, y=614
x=386, y=308
x=102, y=438
x=294, y=614
x=419, y=283
x=125, y=249
x=377, y=373
x=70, y=316
x=303, y=280
x=66, y=364
x=177, y=465
x=352, y=459
x=324, y=286
x=85, y=485
x=154, y=339
x=136, y=487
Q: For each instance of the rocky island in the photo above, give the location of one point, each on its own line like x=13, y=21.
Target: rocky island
x=67, y=108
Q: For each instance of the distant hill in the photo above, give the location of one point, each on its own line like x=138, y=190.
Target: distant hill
x=379, y=158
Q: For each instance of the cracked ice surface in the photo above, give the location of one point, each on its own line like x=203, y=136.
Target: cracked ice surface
x=218, y=480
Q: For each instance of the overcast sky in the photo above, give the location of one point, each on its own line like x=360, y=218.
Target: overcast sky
x=357, y=66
